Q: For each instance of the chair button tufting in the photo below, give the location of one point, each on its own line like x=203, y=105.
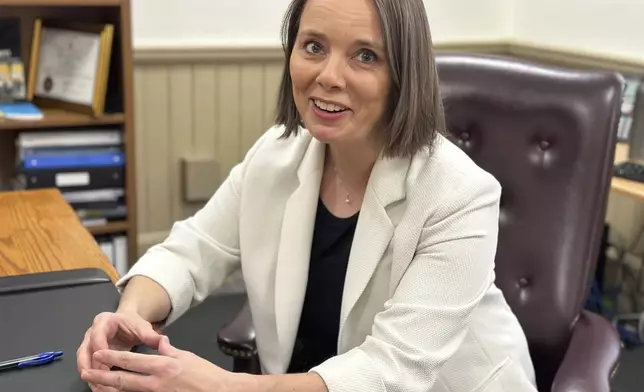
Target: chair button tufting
x=544, y=145
x=523, y=282
x=465, y=136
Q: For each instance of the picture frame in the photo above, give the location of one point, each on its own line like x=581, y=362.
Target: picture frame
x=69, y=65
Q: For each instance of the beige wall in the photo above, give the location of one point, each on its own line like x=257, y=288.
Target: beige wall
x=610, y=28
x=210, y=107
x=214, y=103
x=201, y=23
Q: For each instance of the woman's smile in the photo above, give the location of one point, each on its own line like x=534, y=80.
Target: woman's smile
x=329, y=111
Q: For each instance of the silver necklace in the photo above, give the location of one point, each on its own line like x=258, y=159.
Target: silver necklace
x=347, y=198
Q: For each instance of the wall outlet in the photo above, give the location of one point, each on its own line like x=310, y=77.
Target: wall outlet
x=200, y=178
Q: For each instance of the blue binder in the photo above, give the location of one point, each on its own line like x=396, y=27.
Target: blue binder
x=59, y=161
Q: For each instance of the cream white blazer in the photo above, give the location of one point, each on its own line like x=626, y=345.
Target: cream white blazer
x=420, y=311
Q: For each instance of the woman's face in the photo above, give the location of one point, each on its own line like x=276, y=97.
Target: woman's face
x=339, y=70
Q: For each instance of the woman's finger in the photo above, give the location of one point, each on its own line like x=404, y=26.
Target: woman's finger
x=102, y=331
x=101, y=388
x=139, y=363
x=99, y=336
x=167, y=349
x=84, y=354
x=148, y=335
x=121, y=381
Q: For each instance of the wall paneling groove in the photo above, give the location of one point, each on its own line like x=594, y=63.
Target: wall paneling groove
x=206, y=109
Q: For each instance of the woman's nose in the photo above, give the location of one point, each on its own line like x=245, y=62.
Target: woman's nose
x=332, y=74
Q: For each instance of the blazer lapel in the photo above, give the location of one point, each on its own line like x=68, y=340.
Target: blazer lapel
x=374, y=230
x=295, y=249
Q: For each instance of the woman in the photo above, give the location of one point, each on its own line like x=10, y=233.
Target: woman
x=366, y=239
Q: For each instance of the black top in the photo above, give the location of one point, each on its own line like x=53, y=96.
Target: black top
x=317, y=337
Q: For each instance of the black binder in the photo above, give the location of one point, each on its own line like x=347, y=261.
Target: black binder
x=50, y=312
x=76, y=179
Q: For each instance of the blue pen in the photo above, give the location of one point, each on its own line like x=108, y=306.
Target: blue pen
x=32, y=360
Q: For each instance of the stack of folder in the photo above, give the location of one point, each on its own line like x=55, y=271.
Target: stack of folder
x=628, y=104
x=115, y=248
x=87, y=166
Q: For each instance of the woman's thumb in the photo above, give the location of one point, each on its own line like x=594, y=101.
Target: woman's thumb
x=165, y=348
x=149, y=336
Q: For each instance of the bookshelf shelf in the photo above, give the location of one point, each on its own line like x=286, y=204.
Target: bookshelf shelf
x=54, y=118
x=61, y=3
x=110, y=228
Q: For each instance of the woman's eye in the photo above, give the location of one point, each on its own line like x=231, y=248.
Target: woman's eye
x=313, y=47
x=367, y=56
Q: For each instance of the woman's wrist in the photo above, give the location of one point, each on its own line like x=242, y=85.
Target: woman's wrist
x=309, y=382
x=145, y=298
x=128, y=308
x=132, y=310
x=244, y=382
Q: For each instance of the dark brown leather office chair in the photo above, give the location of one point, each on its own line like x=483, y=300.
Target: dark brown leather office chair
x=548, y=136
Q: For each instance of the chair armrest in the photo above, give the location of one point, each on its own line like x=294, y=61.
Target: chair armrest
x=237, y=338
x=591, y=358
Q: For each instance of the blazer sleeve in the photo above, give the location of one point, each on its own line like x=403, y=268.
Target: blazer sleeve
x=201, y=251
x=426, y=319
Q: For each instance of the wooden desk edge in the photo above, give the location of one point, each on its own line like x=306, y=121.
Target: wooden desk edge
x=101, y=262
x=629, y=188
x=621, y=185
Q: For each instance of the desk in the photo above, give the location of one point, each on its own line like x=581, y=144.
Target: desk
x=630, y=188
x=39, y=232
x=620, y=185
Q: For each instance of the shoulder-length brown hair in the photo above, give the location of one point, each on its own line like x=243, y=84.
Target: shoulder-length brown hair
x=414, y=113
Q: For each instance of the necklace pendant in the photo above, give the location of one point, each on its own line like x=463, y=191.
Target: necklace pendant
x=347, y=200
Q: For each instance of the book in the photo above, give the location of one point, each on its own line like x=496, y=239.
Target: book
x=20, y=111
x=75, y=138
x=115, y=249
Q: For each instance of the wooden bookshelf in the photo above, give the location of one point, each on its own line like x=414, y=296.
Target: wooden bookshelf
x=119, y=111
x=62, y=3
x=110, y=228
x=57, y=118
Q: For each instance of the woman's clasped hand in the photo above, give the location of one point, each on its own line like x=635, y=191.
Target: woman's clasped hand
x=108, y=342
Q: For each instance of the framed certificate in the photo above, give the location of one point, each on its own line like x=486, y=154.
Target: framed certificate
x=69, y=66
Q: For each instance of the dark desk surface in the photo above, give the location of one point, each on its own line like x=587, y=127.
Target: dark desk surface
x=50, y=312
x=40, y=233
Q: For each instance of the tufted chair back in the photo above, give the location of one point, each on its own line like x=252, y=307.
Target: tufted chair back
x=548, y=136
